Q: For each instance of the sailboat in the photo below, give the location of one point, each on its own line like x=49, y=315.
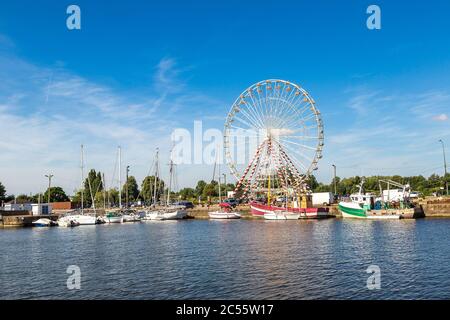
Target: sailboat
x=169, y=212
x=78, y=217
x=225, y=211
x=116, y=216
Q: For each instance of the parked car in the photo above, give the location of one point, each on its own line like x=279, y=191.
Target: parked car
x=186, y=204
x=231, y=201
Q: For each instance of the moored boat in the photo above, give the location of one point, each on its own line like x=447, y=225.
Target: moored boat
x=281, y=215
x=364, y=206
x=113, y=217
x=224, y=213
x=260, y=210
x=43, y=222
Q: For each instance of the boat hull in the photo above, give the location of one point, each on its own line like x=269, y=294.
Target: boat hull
x=224, y=215
x=131, y=218
x=304, y=213
x=282, y=216
x=166, y=215
x=113, y=219
x=353, y=210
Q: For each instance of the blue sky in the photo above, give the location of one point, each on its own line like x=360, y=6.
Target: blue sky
x=138, y=69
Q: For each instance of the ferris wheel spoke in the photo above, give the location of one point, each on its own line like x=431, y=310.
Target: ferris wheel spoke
x=284, y=117
x=255, y=109
x=256, y=122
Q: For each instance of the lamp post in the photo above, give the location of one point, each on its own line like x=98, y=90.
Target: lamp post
x=445, y=166
x=49, y=176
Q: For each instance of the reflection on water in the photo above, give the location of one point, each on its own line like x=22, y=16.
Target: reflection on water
x=236, y=259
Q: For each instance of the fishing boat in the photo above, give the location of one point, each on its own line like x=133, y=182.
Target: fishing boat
x=224, y=213
x=363, y=206
x=281, y=215
x=259, y=209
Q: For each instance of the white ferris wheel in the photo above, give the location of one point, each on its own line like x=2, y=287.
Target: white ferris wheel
x=283, y=123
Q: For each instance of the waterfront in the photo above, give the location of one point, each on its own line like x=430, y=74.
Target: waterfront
x=246, y=259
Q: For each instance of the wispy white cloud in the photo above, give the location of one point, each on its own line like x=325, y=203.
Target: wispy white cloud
x=441, y=117
x=46, y=121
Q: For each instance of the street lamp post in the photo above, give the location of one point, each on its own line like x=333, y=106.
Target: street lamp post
x=445, y=166
x=49, y=176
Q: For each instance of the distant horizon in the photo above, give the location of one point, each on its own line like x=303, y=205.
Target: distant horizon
x=137, y=71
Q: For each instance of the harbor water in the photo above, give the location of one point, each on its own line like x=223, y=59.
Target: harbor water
x=241, y=259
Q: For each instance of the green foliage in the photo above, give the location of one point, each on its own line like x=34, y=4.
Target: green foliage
x=148, y=188
x=132, y=188
x=210, y=190
x=187, y=194
x=347, y=186
x=200, y=187
x=95, y=180
x=57, y=194
x=23, y=198
x=2, y=192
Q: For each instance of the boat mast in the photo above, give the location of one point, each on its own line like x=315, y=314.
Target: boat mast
x=120, y=178
x=82, y=178
x=268, y=192
x=220, y=192
x=156, y=177
x=104, y=191
x=170, y=180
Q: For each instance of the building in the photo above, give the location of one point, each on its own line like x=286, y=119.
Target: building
x=17, y=207
x=39, y=209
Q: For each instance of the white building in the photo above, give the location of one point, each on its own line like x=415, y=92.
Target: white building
x=40, y=209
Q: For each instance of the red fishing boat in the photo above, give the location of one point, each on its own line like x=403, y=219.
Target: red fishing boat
x=259, y=209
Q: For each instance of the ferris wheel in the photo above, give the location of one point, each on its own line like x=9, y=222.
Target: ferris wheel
x=281, y=120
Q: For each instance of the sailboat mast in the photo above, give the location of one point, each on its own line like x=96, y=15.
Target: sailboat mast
x=220, y=191
x=82, y=178
x=156, y=176
x=120, y=177
x=170, y=181
x=268, y=192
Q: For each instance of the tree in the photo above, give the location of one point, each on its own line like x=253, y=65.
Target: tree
x=93, y=182
x=132, y=188
x=2, y=192
x=148, y=187
x=113, y=197
x=187, y=193
x=199, y=188
x=312, y=182
x=23, y=198
x=57, y=194
x=210, y=189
